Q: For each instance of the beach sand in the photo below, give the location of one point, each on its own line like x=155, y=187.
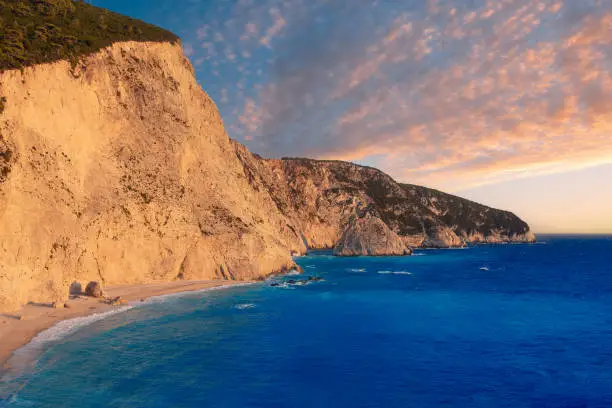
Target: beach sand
x=18, y=329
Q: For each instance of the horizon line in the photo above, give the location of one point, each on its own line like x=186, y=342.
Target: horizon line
x=575, y=233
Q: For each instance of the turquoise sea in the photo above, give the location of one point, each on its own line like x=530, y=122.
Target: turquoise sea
x=485, y=326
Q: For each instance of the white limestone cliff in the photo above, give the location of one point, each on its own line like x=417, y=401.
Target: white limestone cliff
x=120, y=170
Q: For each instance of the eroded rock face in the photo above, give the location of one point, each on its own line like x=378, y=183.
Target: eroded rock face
x=442, y=237
x=369, y=235
x=119, y=170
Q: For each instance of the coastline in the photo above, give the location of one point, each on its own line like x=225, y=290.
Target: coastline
x=38, y=318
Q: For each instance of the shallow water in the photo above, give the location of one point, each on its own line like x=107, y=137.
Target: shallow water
x=488, y=326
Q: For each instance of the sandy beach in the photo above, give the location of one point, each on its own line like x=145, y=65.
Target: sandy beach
x=19, y=328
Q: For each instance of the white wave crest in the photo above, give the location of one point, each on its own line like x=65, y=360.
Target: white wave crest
x=356, y=270
x=244, y=306
x=27, y=354
x=69, y=326
x=171, y=296
x=394, y=273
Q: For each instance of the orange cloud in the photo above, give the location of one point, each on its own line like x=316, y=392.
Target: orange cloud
x=278, y=24
x=500, y=113
x=453, y=95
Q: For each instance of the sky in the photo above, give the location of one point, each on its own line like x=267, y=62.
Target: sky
x=506, y=102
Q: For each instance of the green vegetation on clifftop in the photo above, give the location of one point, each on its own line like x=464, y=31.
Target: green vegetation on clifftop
x=38, y=31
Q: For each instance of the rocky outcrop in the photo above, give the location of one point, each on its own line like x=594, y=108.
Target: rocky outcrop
x=118, y=169
x=117, y=301
x=58, y=305
x=370, y=236
x=94, y=289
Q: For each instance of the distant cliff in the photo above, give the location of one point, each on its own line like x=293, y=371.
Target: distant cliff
x=359, y=210
x=116, y=167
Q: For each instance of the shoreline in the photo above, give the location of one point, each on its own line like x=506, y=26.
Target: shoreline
x=16, y=334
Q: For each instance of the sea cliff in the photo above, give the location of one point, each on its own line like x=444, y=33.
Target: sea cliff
x=118, y=169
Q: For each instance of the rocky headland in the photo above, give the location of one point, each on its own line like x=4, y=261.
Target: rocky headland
x=115, y=167
x=357, y=210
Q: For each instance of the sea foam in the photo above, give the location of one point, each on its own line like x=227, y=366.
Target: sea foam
x=394, y=273
x=176, y=295
x=66, y=327
x=244, y=306
x=27, y=355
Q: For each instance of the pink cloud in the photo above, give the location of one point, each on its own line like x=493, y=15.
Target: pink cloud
x=274, y=30
x=470, y=124
x=250, y=31
x=457, y=96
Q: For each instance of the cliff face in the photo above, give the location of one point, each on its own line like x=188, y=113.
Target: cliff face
x=369, y=235
x=361, y=211
x=118, y=169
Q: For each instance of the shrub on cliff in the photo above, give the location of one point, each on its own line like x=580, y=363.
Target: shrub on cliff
x=39, y=31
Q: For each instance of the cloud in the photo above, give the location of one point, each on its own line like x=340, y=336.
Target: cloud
x=188, y=49
x=278, y=24
x=250, y=30
x=449, y=93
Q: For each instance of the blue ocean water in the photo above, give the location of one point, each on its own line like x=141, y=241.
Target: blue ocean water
x=487, y=326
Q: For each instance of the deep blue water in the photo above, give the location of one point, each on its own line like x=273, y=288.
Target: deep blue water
x=488, y=326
